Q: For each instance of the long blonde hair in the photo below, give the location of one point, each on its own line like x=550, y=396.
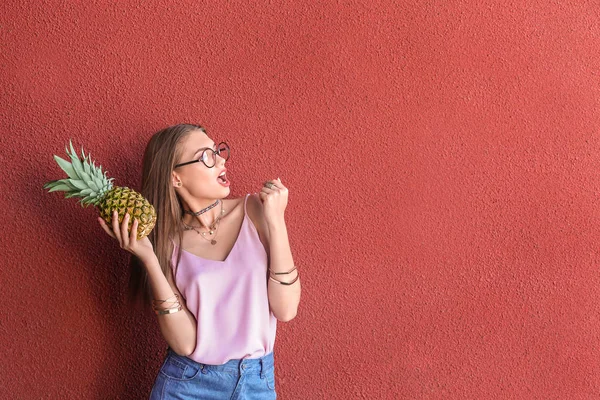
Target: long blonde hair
x=161, y=155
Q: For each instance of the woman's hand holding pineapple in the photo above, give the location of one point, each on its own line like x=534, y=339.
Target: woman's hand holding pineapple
x=94, y=187
x=142, y=248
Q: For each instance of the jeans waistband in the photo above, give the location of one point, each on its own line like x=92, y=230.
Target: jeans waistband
x=243, y=365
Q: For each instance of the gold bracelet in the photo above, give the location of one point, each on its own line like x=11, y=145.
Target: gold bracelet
x=168, y=311
x=285, y=283
x=283, y=273
x=167, y=300
x=172, y=306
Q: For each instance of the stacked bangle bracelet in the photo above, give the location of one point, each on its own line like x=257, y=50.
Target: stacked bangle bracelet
x=271, y=273
x=167, y=306
x=168, y=311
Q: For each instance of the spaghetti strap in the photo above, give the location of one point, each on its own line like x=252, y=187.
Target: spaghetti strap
x=245, y=202
x=173, y=261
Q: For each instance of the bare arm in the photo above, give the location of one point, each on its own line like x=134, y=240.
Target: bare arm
x=283, y=299
x=178, y=329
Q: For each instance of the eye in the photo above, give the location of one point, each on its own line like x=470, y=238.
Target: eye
x=206, y=156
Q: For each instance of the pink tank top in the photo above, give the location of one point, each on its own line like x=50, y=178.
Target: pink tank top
x=229, y=300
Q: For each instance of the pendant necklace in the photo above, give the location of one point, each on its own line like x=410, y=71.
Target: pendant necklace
x=213, y=229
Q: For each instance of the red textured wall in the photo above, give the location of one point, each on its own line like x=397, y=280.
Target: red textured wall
x=443, y=162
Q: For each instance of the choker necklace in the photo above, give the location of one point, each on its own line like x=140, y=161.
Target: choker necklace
x=195, y=214
x=213, y=229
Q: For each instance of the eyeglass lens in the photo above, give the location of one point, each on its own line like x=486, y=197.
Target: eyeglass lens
x=209, y=156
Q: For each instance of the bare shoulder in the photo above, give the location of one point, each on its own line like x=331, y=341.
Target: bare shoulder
x=233, y=204
x=254, y=207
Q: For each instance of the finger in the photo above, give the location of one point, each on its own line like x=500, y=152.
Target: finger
x=263, y=196
x=133, y=233
x=266, y=190
x=106, y=228
x=274, y=184
x=277, y=183
x=281, y=185
x=124, y=233
x=115, y=226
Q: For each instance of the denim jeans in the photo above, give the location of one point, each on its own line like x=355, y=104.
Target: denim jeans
x=246, y=379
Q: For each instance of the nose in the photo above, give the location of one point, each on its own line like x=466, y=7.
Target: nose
x=220, y=161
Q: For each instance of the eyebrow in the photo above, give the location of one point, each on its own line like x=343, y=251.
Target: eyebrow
x=204, y=148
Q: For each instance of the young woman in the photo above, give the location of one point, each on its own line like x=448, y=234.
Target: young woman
x=220, y=271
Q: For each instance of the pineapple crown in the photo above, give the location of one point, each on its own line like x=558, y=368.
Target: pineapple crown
x=84, y=178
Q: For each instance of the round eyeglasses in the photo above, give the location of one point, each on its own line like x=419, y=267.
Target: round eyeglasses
x=209, y=156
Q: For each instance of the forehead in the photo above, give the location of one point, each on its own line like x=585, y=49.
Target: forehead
x=194, y=141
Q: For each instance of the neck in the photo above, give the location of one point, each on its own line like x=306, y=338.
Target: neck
x=205, y=219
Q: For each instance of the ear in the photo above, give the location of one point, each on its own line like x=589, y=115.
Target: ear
x=176, y=180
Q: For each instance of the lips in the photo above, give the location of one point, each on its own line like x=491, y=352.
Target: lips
x=222, y=178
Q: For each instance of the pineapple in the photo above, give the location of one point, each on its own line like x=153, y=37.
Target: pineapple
x=91, y=184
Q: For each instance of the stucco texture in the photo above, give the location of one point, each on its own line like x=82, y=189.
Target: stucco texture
x=442, y=159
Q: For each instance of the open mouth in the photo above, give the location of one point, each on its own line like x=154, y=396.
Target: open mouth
x=222, y=179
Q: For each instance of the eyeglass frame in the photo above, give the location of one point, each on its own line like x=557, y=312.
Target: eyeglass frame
x=201, y=159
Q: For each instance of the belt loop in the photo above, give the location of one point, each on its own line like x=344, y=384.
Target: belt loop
x=262, y=368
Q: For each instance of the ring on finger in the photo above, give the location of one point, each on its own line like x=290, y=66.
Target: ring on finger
x=269, y=185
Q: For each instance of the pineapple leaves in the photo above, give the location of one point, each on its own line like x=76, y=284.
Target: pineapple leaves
x=75, y=161
x=62, y=183
x=59, y=187
x=85, y=179
x=86, y=201
x=79, y=184
x=93, y=186
x=86, y=162
x=87, y=192
x=66, y=166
